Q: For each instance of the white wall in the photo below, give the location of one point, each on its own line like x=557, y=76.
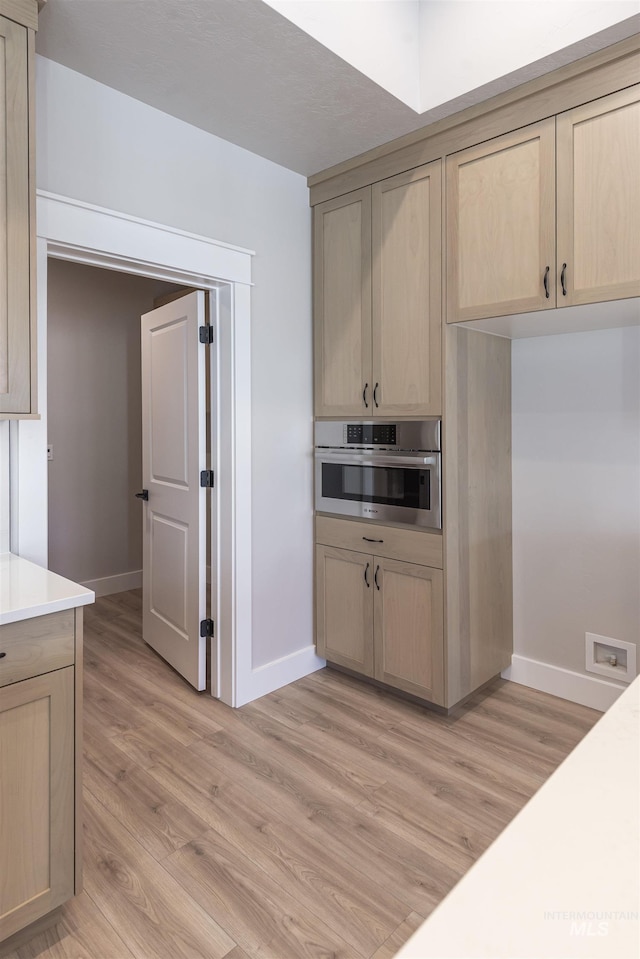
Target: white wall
x=102, y=147
x=95, y=419
x=576, y=493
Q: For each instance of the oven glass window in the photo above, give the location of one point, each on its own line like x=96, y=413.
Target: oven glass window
x=386, y=485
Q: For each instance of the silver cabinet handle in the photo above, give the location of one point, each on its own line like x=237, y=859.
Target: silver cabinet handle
x=389, y=458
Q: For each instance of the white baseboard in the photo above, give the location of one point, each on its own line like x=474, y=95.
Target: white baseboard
x=107, y=585
x=266, y=679
x=586, y=690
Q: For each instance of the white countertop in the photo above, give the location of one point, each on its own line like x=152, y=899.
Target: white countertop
x=27, y=590
x=563, y=879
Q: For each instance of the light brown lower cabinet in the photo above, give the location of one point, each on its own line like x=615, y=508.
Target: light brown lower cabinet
x=408, y=627
x=344, y=608
x=39, y=746
x=382, y=618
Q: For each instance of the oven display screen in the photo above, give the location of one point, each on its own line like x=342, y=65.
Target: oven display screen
x=371, y=434
x=386, y=485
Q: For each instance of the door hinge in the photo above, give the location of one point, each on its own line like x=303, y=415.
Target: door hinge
x=206, y=478
x=206, y=334
x=206, y=627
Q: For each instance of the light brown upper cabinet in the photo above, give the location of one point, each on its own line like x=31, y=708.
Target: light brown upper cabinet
x=501, y=225
x=510, y=249
x=342, y=304
x=377, y=298
x=599, y=199
x=17, y=214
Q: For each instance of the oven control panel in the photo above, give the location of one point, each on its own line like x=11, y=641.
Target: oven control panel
x=377, y=435
x=369, y=434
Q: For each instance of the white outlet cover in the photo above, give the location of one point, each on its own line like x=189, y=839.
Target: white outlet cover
x=624, y=674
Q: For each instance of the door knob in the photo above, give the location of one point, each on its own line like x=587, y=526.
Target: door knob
x=143, y=494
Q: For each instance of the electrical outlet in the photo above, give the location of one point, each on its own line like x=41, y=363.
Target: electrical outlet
x=49, y=452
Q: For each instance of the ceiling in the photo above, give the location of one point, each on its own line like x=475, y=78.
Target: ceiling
x=240, y=70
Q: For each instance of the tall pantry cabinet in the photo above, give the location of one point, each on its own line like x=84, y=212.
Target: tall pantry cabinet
x=387, y=605
x=18, y=24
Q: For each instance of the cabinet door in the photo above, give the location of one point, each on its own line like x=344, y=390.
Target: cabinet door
x=501, y=225
x=344, y=608
x=342, y=305
x=36, y=798
x=408, y=628
x=406, y=293
x=15, y=334
x=599, y=199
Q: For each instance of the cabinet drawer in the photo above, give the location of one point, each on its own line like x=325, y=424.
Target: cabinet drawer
x=35, y=646
x=411, y=546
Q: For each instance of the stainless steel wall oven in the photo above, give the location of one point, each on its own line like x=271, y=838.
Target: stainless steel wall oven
x=380, y=470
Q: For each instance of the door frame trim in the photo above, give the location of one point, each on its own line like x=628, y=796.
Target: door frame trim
x=72, y=230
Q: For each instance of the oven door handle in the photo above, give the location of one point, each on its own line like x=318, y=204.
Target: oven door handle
x=376, y=459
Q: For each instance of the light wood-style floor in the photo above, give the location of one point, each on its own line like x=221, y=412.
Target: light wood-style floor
x=325, y=820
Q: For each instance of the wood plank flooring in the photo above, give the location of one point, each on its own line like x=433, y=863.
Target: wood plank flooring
x=324, y=820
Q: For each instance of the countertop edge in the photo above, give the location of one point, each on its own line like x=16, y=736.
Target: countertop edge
x=28, y=591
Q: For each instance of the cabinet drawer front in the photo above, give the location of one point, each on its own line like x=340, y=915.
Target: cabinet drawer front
x=36, y=646
x=411, y=546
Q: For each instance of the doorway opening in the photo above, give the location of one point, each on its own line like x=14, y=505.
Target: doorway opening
x=99, y=528
x=94, y=409
x=74, y=231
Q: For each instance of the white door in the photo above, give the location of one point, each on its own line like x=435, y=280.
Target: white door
x=173, y=455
